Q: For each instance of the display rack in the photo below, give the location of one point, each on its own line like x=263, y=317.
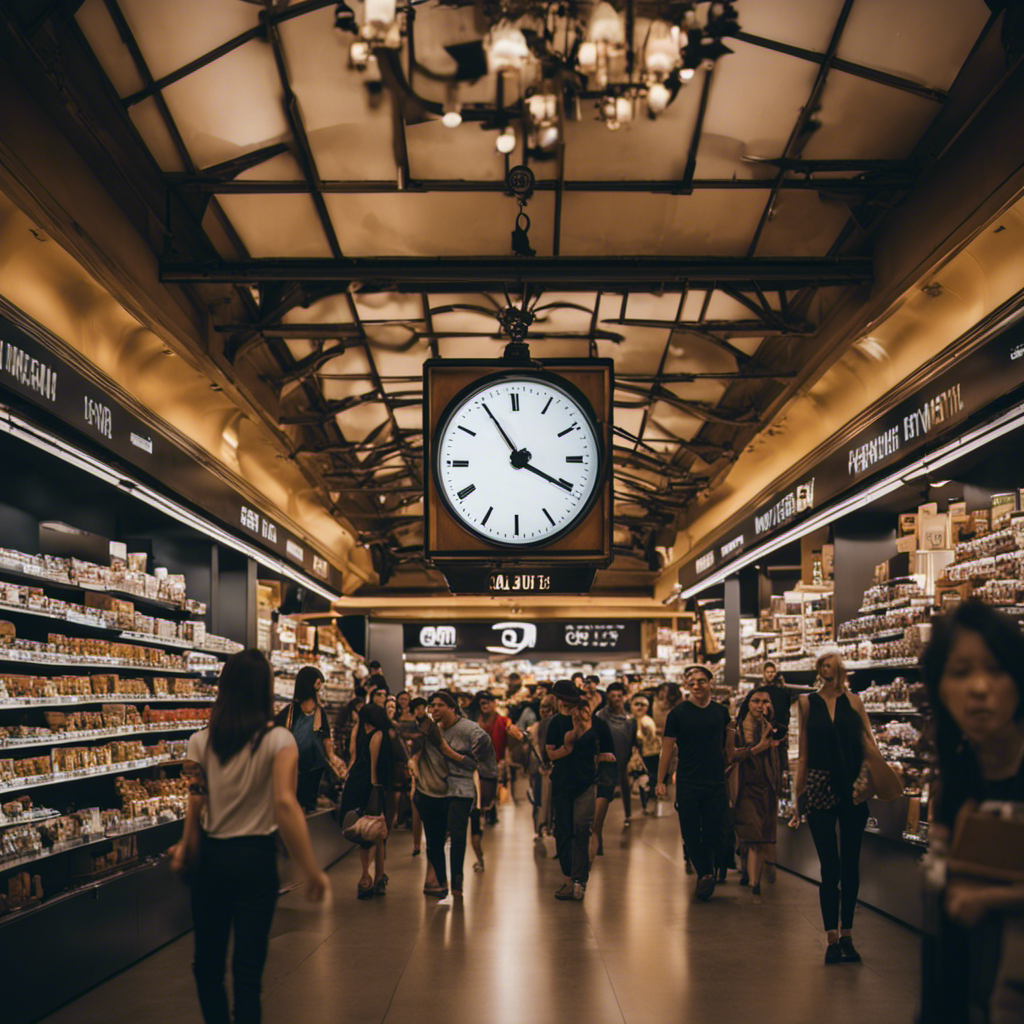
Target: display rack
x=133, y=641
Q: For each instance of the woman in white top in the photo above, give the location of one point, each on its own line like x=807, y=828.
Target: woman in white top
x=649, y=746
x=242, y=776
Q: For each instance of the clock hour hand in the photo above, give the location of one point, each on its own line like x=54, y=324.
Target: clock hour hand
x=558, y=483
x=501, y=431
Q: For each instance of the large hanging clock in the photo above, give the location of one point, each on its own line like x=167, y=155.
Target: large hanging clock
x=518, y=458
x=517, y=472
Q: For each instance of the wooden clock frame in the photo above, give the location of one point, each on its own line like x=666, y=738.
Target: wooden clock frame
x=589, y=541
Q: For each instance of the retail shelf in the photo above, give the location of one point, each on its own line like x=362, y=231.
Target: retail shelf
x=63, y=700
x=14, y=575
x=61, y=739
x=56, y=661
x=76, y=620
x=900, y=664
x=77, y=844
x=42, y=814
x=57, y=778
x=876, y=709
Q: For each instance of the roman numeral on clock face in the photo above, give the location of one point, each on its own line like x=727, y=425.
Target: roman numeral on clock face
x=467, y=491
x=460, y=463
x=515, y=402
x=572, y=458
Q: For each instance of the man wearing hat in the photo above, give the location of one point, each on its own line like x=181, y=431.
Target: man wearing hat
x=572, y=747
x=697, y=727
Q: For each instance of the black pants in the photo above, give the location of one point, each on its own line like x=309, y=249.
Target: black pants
x=235, y=888
x=701, y=808
x=308, y=788
x=457, y=826
x=840, y=861
x=434, y=815
x=574, y=820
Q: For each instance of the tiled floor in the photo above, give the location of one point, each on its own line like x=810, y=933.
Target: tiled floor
x=637, y=951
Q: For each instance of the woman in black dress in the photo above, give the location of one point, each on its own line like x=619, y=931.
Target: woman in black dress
x=365, y=787
x=834, y=730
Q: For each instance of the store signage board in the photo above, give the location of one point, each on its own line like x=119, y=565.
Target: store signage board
x=982, y=377
x=518, y=580
x=29, y=369
x=523, y=639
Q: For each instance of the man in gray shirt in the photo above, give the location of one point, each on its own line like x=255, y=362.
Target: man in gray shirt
x=474, y=746
x=622, y=726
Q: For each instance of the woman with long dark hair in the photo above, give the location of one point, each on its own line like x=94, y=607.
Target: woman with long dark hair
x=834, y=731
x=973, y=670
x=750, y=746
x=307, y=721
x=365, y=790
x=242, y=776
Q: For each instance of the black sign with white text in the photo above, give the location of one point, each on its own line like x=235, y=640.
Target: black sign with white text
x=29, y=369
x=516, y=638
x=965, y=389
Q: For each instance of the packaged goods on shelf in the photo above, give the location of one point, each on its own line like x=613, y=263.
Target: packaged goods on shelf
x=23, y=890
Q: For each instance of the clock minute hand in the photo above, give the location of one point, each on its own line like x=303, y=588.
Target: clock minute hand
x=501, y=431
x=551, y=479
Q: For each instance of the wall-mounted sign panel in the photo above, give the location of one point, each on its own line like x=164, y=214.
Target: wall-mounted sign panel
x=568, y=640
x=964, y=390
x=34, y=373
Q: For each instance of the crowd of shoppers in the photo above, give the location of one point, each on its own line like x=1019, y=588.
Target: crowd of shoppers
x=437, y=762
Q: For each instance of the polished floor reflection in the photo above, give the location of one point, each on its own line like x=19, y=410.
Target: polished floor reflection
x=637, y=951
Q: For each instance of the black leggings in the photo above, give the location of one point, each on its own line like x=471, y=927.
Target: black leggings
x=458, y=823
x=235, y=888
x=651, y=764
x=840, y=861
x=434, y=815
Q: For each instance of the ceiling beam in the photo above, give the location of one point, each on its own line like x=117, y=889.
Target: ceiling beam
x=455, y=273
x=891, y=178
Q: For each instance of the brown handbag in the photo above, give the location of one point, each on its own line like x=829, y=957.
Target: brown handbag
x=987, y=845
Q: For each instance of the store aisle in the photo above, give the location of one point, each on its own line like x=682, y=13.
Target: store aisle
x=638, y=951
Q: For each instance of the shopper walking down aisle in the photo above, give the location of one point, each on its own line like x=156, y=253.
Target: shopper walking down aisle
x=697, y=728
x=540, y=766
x=834, y=730
x=307, y=722
x=751, y=749
x=242, y=780
x=973, y=669
x=366, y=788
x=572, y=747
x=649, y=744
x=499, y=728
x=474, y=748
x=622, y=731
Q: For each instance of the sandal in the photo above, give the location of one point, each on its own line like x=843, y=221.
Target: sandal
x=364, y=892
x=380, y=887
x=440, y=891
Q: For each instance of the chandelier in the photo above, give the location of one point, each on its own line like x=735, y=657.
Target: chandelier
x=551, y=61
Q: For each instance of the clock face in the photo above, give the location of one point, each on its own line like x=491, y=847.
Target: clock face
x=518, y=460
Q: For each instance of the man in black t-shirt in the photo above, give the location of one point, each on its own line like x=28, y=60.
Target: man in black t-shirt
x=572, y=746
x=697, y=727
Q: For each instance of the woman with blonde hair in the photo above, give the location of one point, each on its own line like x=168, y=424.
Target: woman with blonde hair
x=834, y=733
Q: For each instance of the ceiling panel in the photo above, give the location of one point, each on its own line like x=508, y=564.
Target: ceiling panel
x=802, y=224
x=98, y=28
x=926, y=41
x=230, y=106
x=808, y=25
x=867, y=120
x=467, y=152
x=285, y=225
x=756, y=96
x=435, y=224
x=707, y=223
x=150, y=124
x=172, y=34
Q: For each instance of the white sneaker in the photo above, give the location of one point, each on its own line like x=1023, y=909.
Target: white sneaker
x=579, y=890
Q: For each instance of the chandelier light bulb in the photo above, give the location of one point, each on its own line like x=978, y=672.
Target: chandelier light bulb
x=506, y=141
x=359, y=55
x=380, y=12
x=606, y=26
x=507, y=49
x=657, y=98
x=586, y=57
x=623, y=110
x=661, y=52
x=687, y=74
x=547, y=137
x=451, y=119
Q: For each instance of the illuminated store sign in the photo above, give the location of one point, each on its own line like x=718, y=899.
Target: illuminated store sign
x=31, y=371
x=525, y=639
x=986, y=374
